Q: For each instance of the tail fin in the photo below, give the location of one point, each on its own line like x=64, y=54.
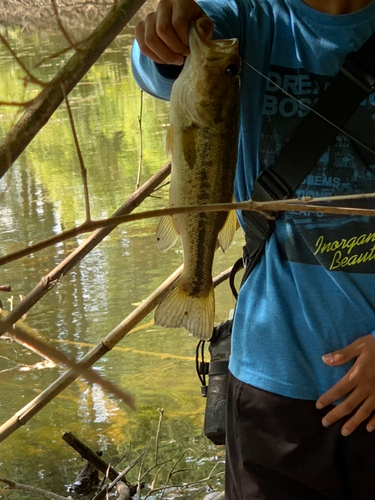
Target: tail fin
x=196, y=314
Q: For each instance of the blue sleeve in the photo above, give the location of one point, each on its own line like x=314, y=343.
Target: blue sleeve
x=147, y=75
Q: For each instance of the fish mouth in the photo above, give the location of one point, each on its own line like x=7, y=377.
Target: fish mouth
x=213, y=50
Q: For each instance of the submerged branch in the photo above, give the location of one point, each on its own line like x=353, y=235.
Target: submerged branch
x=272, y=206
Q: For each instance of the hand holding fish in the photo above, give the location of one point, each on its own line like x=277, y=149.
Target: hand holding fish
x=164, y=35
x=357, y=386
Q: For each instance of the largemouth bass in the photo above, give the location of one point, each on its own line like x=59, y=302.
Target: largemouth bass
x=203, y=139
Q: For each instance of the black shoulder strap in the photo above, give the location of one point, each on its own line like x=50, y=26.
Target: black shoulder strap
x=354, y=82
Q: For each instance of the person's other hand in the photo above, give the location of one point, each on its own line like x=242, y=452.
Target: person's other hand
x=164, y=34
x=357, y=386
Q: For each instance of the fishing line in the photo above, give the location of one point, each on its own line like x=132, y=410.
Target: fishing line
x=352, y=138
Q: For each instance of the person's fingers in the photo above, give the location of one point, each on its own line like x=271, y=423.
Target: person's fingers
x=145, y=49
x=363, y=412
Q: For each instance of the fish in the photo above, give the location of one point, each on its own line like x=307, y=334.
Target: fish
x=203, y=142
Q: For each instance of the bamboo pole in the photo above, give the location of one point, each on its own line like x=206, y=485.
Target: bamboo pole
x=51, y=279
x=27, y=412
x=45, y=104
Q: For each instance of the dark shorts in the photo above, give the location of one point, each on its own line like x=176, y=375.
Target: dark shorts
x=277, y=449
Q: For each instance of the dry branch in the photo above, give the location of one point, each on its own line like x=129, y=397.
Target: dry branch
x=87, y=454
x=140, y=143
x=50, y=280
x=100, y=464
x=131, y=488
x=49, y=99
x=31, y=409
x=30, y=76
x=264, y=207
x=62, y=27
x=27, y=412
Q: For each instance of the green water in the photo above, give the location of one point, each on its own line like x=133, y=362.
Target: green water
x=42, y=196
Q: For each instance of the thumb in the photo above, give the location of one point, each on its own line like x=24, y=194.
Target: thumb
x=342, y=355
x=205, y=28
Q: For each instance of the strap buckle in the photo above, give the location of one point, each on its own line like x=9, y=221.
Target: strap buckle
x=357, y=72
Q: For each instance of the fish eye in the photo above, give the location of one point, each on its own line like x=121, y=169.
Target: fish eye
x=231, y=70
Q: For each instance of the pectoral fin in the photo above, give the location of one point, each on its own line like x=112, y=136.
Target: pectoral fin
x=166, y=233
x=226, y=234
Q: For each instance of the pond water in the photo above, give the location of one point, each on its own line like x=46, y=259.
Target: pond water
x=43, y=195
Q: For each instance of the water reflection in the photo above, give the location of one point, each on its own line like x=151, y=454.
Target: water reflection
x=43, y=195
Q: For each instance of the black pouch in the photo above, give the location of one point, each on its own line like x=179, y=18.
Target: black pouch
x=217, y=388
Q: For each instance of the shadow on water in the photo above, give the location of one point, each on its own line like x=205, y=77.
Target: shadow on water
x=42, y=196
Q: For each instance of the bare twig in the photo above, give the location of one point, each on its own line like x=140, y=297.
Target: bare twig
x=100, y=495
x=171, y=472
x=32, y=408
x=30, y=76
x=184, y=486
x=272, y=206
x=161, y=413
x=62, y=28
x=23, y=104
x=79, y=154
x=140, y=143
x=27, y=412
x=32, y=489
x=160, y=465
x=50, y=280
x=139, y=482
x=5, y=288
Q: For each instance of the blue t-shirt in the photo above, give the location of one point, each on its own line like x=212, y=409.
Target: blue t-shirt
x=314, y=290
